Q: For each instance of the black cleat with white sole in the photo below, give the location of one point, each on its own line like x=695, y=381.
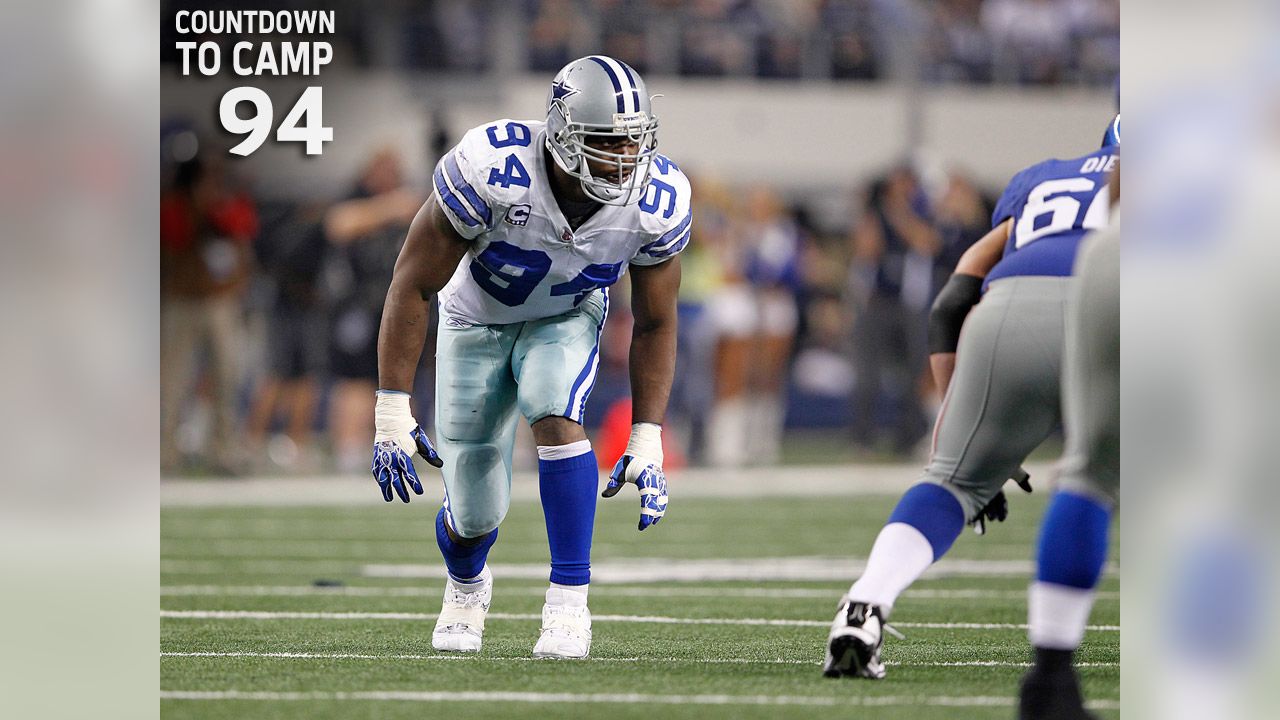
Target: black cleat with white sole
x=853, y=646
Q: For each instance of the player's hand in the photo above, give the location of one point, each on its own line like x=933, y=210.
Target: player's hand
x=648, y=477
x=998, y=509
x=397, y=437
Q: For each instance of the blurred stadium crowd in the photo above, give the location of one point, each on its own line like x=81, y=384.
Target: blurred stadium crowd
x=271, y=306
x=1042, y=42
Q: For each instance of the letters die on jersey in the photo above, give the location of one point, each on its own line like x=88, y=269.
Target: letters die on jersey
x=526, y=263
x=1053, y=205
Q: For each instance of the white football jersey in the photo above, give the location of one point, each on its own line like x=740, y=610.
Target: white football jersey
x=526, y=262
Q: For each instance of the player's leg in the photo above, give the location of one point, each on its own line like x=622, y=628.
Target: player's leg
x=1074, y=534
x=1002, y=403
x=475, y=430
x=555, y=362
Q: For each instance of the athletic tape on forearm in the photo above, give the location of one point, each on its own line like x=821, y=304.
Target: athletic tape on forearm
x=646, y=442
x=392, y=418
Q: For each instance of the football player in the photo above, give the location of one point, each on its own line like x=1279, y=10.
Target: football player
x=529, y=225
x=1001, y=379
x=1074, y=533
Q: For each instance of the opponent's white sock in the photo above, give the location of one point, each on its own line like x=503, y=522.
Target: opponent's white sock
x=900, y=555
x=1057, y=614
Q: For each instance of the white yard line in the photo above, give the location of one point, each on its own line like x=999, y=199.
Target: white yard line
x=791, y=569
x=607, y=590
x=628, y=698
x=477, y=657
x=809, y=481
x=620, y=571
x=650, y=619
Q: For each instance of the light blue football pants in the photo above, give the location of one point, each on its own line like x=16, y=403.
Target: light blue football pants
x=484, y=373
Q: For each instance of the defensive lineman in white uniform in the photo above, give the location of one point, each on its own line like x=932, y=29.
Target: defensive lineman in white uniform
x=529, y=225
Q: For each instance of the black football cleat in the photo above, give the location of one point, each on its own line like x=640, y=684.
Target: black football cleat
x=853, y=646
x=1051, y=696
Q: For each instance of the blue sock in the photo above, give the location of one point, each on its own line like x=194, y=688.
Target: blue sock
x=568, y=490
x=464, y=561
x=1073, y=541
x=935, y=512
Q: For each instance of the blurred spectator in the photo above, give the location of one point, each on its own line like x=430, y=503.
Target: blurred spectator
x=718, y=38
x=206, y=227
x=894, y=248
x=626, y=26
x=959, y=48
x=559, y=31
x=772, y=256
x=850, y=27
x=1096, y=28
x=1032, y=38
x=365, y=232
x=447, y=34
x=751, y=318
x=291, y=254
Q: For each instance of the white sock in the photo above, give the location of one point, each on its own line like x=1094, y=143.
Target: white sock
x=577, y=597
x=471, y=585
x=564, y=452
x=900, y=555
x=1056, y=615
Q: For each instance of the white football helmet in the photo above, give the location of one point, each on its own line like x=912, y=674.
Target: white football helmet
x=599, y=97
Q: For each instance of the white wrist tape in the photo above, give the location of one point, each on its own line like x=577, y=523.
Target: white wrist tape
x=393, y=420
x=646, y=442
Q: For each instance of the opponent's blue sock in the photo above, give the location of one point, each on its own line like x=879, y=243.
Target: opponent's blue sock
x=1073, y=541
x=465, y=562
x=1069, y=557
x=935, y=512
x=927, y=520
x=568, y=489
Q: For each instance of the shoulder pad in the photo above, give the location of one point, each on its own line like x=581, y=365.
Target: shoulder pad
x=477, y=179
x=665, y=214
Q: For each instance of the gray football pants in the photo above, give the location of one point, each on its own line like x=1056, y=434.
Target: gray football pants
x=1005, y=394
x=1091, y=373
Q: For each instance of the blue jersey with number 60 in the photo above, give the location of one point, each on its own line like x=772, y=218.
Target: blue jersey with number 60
x=525, y=262
x=1052, y=204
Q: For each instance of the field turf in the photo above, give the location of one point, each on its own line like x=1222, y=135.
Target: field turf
x=326, y=612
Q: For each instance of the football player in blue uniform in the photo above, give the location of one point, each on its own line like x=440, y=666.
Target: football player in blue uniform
x=529, y=225
x=1001, y=379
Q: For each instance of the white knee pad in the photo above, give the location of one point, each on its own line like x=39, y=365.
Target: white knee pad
x=477, y=481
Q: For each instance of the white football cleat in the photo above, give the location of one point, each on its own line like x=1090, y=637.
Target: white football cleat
x=566, y=626
x=460, y=626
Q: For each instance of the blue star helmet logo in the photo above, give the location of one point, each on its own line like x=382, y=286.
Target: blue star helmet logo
x=559, y=90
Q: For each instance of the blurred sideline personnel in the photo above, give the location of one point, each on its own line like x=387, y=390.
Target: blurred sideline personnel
x=1074, y=533
x=206, y=231
x=894, y=247
x=365, y=231
x=531, y=223
x=1006, y=397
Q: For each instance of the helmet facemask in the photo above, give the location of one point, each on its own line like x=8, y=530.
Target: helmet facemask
x=625, y=177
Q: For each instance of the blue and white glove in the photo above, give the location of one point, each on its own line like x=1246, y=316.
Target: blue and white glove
x=642, y=464
x=397, y=436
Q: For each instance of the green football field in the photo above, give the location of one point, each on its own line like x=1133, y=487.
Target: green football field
x=290, y=611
